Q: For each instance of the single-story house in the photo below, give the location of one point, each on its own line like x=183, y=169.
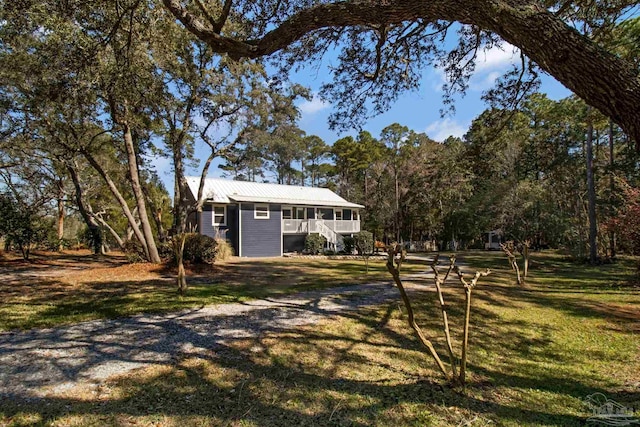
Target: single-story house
x=261, y=219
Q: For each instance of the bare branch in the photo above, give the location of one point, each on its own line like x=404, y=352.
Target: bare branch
x=217, y=27
x=207, y=15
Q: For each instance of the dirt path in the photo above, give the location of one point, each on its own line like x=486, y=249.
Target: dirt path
x=42, y=362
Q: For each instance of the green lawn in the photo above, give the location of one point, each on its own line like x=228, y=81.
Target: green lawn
x=117, y=290
x=535, y=354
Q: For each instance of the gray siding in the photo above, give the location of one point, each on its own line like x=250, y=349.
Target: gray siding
x=230, y=231
x=261, y=237
x=232, y=225
x=205, y=225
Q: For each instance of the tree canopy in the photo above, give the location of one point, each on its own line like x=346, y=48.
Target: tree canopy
x=384, y=45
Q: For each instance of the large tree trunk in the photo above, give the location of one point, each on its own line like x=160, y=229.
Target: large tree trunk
x=178, y=249
x=156, y=214
x=132, y=161
x=121, y=201
x=94, y=228
x=603, y=80
x=61, y=215
x=98, y=218
x=181, y=206
x=591, y=189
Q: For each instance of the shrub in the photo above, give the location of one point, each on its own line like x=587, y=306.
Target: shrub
x=20, y=226
x=86, y=238
x=364, y=242
x=134, y=252
x=53, y=243
x=200, y=249
x=165, y=251
x=349, y=244
x=224, y=250
x=314, y=243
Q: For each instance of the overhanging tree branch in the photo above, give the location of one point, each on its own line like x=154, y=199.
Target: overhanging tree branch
x=602, y=79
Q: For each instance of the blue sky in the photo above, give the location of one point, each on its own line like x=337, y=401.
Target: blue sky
x=419, y=110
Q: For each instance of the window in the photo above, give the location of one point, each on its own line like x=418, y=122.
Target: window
x=261, y=212
x=355, y=216
x=339, y=214
x=286, y=213
x=298, y=213
x=219, y=215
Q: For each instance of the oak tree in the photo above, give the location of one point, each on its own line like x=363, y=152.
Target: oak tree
x=384, y=45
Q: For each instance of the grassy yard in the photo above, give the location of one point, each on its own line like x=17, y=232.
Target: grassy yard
x=59, y=289
x=535, y=354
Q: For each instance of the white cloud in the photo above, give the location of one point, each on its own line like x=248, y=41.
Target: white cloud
x=313, y=106
x=442, y=129
x=490, y=64
x=481, y=82
x=497, y=58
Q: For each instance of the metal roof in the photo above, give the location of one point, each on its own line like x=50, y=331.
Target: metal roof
x=218, y=190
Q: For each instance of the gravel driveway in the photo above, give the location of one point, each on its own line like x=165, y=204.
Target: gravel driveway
x=38, y=362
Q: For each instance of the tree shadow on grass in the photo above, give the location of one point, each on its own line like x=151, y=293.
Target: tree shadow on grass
x=41, y=301
x=620, y=314
x=226, y=374
x=222, y=372
x=281, y=393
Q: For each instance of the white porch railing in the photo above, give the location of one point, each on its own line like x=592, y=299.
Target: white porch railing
x=295, y=226
x=313, y=226
x=334, y=239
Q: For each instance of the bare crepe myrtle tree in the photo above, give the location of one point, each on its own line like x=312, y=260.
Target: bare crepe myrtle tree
x=510, y=248
x=396, y=257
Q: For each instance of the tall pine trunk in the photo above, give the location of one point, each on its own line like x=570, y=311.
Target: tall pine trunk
x=612, y=192
x=591, y=189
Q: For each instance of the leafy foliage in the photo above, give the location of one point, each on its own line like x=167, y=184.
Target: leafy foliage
x=20, y=226
x=364, y=242
x=349, y=244
x=200, y=249
x=134, y=251
x=627, y=222
x=314, y=243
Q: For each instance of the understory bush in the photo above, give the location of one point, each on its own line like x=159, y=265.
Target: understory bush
x=134, y=252
x=165, y=251
x=224, y=251
x=349, y=244
x=364, y=242
x=314, y=243
x=200, y=249
x=20, y=226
